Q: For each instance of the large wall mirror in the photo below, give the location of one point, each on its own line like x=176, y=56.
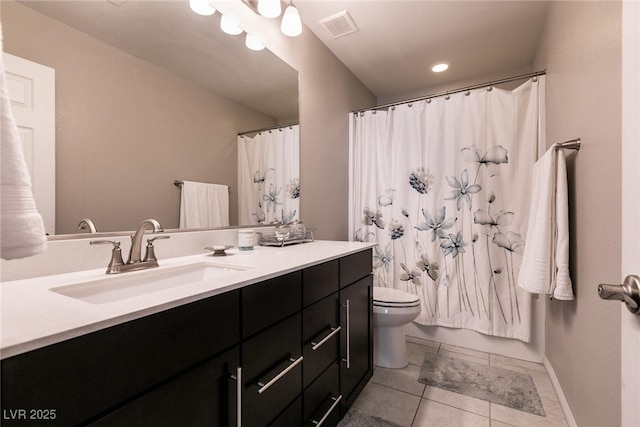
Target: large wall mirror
x=147, y=93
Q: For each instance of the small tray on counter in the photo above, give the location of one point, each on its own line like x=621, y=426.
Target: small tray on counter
x=271, y=239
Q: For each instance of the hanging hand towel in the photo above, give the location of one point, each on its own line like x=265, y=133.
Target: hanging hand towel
x=22, y=231
x=204, y=205
x=545, y=263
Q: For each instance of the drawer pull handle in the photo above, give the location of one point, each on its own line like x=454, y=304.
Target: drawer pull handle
x=336, y=400
x=238, y=378
x=264, y=387
x=316, y=345
x=348, y=359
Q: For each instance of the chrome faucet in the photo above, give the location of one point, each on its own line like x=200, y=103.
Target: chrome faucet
x=117, y=265
x=87, y=224
x=135, y=252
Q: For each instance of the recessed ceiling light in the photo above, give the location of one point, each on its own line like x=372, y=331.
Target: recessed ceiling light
x=440, y=67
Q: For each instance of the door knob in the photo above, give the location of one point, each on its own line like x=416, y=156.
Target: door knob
x=628, y=292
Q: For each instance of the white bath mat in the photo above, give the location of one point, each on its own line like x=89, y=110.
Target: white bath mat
x=502, y=386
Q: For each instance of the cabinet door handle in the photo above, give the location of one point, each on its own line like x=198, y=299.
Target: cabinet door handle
x=348, y=359
x=264, y=387
x=316, y=345
x=238, y=378
x=336, y=400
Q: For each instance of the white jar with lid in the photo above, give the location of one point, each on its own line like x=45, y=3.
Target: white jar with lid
x=245, y=240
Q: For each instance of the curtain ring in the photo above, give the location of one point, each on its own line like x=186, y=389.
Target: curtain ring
x=428, y=100
x=490, y=88
x=375, y=112
x=361, y=113
x=467, y=93
x=393, y=108
x=447, y=97
x=410, y=105
x=535, y=79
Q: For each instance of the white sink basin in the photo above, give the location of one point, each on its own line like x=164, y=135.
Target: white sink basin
x=132, y=284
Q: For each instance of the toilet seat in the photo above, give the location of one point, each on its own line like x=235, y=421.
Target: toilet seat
x=389, y=297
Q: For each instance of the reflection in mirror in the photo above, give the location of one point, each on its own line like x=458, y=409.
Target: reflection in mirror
x=147, y=93
x=269, y=176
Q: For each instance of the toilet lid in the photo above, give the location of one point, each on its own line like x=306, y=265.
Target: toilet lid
x=389, y=297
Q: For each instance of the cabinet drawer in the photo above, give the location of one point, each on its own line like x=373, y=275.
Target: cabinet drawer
x=87, y=375
x=320, y=336
x=354, y=267
x=291, y=416
x=266, y=303
x=322, y=399
x=272, y=371
x=319, y=281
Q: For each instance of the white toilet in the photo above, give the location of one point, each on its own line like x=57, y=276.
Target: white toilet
x=392, y=309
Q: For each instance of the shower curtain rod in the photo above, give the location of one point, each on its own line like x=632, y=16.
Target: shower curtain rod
x=450, y=92
x=268, y=129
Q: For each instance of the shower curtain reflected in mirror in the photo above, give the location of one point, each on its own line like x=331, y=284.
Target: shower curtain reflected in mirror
x=442, y=185
x=269, y=176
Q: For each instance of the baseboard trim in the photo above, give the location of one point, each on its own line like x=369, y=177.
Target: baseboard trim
x=571, y=422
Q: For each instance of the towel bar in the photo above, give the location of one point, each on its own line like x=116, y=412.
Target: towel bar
x=179, y=182
x=573, y=144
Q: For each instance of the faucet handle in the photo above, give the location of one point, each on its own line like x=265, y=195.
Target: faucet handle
x=150, y=254
x=116, y=262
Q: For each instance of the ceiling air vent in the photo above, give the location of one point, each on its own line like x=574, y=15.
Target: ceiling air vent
x=339, y=24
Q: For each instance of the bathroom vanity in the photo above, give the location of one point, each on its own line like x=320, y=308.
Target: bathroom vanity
x=287, y=342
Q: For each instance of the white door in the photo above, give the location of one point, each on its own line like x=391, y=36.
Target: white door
x=630, y=373
x=32, y=93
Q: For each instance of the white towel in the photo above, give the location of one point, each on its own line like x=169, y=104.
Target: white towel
x=22, y=232
x=545, y=263
x=204, y=205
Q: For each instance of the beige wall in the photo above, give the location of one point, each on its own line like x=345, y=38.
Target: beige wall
x=125, y=129
x=581, y=50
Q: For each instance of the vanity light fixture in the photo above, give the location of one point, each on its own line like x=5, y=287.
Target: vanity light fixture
x=291, y=24
x=229, y=26
x=253, y=43
x=440, y=67
x=269, y=8
x=202, y=7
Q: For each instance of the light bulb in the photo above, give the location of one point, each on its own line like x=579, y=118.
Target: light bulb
x=229, y=26
x=202, y=7
x=291, y=24
x=253, y=43
x=269, y=8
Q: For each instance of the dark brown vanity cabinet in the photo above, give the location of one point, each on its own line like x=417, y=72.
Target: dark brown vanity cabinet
x=206, y=395
x=271, y=350
x=128, y=367
x=294, y=350
x=356, y=302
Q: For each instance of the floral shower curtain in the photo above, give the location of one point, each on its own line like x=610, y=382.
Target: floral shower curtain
x=268, y=176
x=442, y=185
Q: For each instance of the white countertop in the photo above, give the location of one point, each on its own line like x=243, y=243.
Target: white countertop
x=33, y=316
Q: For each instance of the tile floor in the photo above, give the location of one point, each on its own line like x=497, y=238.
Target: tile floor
x=396, y=398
